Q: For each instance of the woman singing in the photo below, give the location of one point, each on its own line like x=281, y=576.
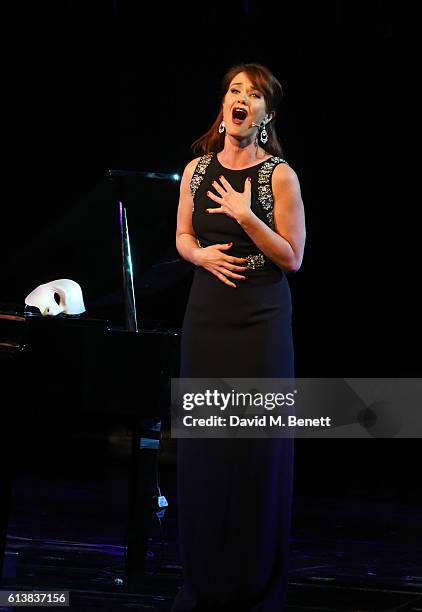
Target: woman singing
x=241, y=222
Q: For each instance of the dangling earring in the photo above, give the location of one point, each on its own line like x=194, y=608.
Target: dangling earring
x=262, y=132
x=222, y=127
x=263, y=135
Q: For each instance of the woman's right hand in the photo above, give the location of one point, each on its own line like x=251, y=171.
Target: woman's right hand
x=213, y=259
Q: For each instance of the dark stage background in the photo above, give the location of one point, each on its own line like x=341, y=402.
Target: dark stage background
x=130, y=85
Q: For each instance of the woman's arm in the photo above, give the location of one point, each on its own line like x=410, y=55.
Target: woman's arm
x=285, y=245
x=186, y=243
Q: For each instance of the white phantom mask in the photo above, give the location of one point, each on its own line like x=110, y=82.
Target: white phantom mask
x=68, y=291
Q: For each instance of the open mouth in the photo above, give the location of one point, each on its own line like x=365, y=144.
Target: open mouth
x=239, y=115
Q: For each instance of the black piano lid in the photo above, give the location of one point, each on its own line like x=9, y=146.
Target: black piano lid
x=84, y=244
x=84, y=366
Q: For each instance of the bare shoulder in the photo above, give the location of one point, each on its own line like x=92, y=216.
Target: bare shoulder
x=284, y=174
x=190, y=169
x=285, y=183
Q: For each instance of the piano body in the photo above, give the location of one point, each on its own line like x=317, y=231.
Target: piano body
x=116, y=359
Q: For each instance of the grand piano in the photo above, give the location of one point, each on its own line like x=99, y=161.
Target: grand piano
x=113, y=361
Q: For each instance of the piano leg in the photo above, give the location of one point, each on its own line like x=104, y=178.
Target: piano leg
x=143, y=491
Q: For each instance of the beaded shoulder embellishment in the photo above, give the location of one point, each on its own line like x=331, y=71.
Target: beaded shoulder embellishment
x=265, y=194
x=198, y=175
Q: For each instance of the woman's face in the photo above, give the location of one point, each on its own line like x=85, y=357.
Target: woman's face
x=242, y=105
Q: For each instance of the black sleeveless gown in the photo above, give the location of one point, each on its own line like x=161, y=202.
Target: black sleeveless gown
x=235, y=495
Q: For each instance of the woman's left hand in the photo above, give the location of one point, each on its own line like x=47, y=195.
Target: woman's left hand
x=232, y=203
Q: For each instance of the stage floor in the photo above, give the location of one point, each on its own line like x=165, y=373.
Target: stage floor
x=347, y=553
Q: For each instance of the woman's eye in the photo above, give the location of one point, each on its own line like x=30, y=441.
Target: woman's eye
x=236, y=91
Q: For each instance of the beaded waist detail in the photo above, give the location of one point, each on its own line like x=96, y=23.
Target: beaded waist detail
x=254, y=260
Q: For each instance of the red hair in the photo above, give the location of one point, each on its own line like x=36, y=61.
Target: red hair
x=264, y=80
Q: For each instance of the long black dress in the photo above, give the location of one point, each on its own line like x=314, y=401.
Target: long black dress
x=234, y=495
